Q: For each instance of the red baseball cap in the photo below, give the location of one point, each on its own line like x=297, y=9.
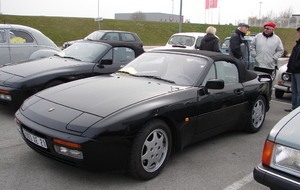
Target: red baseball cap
x=270, y=24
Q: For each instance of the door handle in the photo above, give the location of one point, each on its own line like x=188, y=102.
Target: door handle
x=239, y=91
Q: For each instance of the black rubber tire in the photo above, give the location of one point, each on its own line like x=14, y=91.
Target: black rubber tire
x=279, y=93
x=257, y=116
x=151, y=150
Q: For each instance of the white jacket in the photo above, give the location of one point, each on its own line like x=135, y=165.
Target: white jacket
x=266, y=51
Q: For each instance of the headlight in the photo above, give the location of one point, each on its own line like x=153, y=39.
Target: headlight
x=6, y=97
x=68, y=148
x=68, y=152
x=286, y=77
x=286, y=159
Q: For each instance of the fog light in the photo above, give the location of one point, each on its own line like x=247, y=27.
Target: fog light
x=68, y=152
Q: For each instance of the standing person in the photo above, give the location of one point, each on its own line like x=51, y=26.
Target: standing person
x=294, y=68
x=239, y=47
x=210, y=42
x=266, y=48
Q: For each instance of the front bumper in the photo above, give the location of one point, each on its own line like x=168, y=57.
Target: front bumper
x=17, y=96
x=283, y=88
x=107, y=154
x=274, y=179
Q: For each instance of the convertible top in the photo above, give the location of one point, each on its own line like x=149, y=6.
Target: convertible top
x=244, y=74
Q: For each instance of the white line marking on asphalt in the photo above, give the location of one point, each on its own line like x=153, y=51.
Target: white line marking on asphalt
x=240, y=183
x=281, y=102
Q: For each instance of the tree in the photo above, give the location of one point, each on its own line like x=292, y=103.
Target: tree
x=286, y=14
x=138, y=16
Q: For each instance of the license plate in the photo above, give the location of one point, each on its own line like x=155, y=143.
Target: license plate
x=34, y=139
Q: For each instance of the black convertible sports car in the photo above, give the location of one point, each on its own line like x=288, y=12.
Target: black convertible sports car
x=160, y=102
x=85, y=58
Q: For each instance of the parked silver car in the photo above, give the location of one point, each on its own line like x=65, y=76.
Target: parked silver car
x=280, y=167
x=283, y=84
x=19, y=43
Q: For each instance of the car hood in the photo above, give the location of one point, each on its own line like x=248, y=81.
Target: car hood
x=92, y=98
x=287, y=130
x=33, y=67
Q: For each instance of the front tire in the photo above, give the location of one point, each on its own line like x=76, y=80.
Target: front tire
x=279, y=93
x=151, y=150
x=258, y=114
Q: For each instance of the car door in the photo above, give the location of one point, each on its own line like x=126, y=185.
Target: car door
x=219, y=109
x=21, y=44
x=118, y=56
x=4, y=48
x=224, y=47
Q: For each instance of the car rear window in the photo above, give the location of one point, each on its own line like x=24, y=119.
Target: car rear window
x=17, y=36
x=127, y=37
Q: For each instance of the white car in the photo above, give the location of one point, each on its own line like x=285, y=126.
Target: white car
x=283, y=84
x=187, y=40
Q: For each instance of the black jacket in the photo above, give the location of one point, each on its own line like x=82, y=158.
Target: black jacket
x=235, y=44
x=210, y=43
x=294, y=60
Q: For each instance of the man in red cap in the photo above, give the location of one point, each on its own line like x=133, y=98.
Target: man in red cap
x=266, y=48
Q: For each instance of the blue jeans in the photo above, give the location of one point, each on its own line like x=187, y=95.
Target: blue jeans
x=295, y=90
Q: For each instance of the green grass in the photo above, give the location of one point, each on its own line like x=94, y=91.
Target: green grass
x=61, y=29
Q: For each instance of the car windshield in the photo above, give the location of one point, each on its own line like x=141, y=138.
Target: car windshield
x=96, y=35
x=173, y=68
x=182, y=40
x=87, y=52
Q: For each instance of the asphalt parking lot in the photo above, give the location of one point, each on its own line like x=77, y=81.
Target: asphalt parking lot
x=224, y=162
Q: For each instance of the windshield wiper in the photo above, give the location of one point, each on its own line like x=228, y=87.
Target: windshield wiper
x=177, y=45
x=67, y=57
x=155, y=77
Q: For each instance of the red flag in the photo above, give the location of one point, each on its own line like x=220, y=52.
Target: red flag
x=211, y=4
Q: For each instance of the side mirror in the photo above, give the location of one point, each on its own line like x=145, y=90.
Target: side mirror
x=215, y=84
x=105, y=62
x=211, y=84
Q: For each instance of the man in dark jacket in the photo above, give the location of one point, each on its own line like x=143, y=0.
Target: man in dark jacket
x=210, y=42
x=238, y=46
x=294, y=68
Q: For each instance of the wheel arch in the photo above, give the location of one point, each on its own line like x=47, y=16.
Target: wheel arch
x=174, y=132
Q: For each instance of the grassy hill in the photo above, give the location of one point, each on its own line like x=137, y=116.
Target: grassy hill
x=61, y=29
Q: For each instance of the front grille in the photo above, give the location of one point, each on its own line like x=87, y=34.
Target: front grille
x=5, y=103
x=48, y=154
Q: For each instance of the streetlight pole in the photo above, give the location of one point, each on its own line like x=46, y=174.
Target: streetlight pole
x=98, y=16
x=180, y=16
x=260, y=12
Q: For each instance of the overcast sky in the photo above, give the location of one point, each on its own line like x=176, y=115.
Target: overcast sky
x=228, y=11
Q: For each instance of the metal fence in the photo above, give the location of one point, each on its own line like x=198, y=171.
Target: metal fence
x=293, y=22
